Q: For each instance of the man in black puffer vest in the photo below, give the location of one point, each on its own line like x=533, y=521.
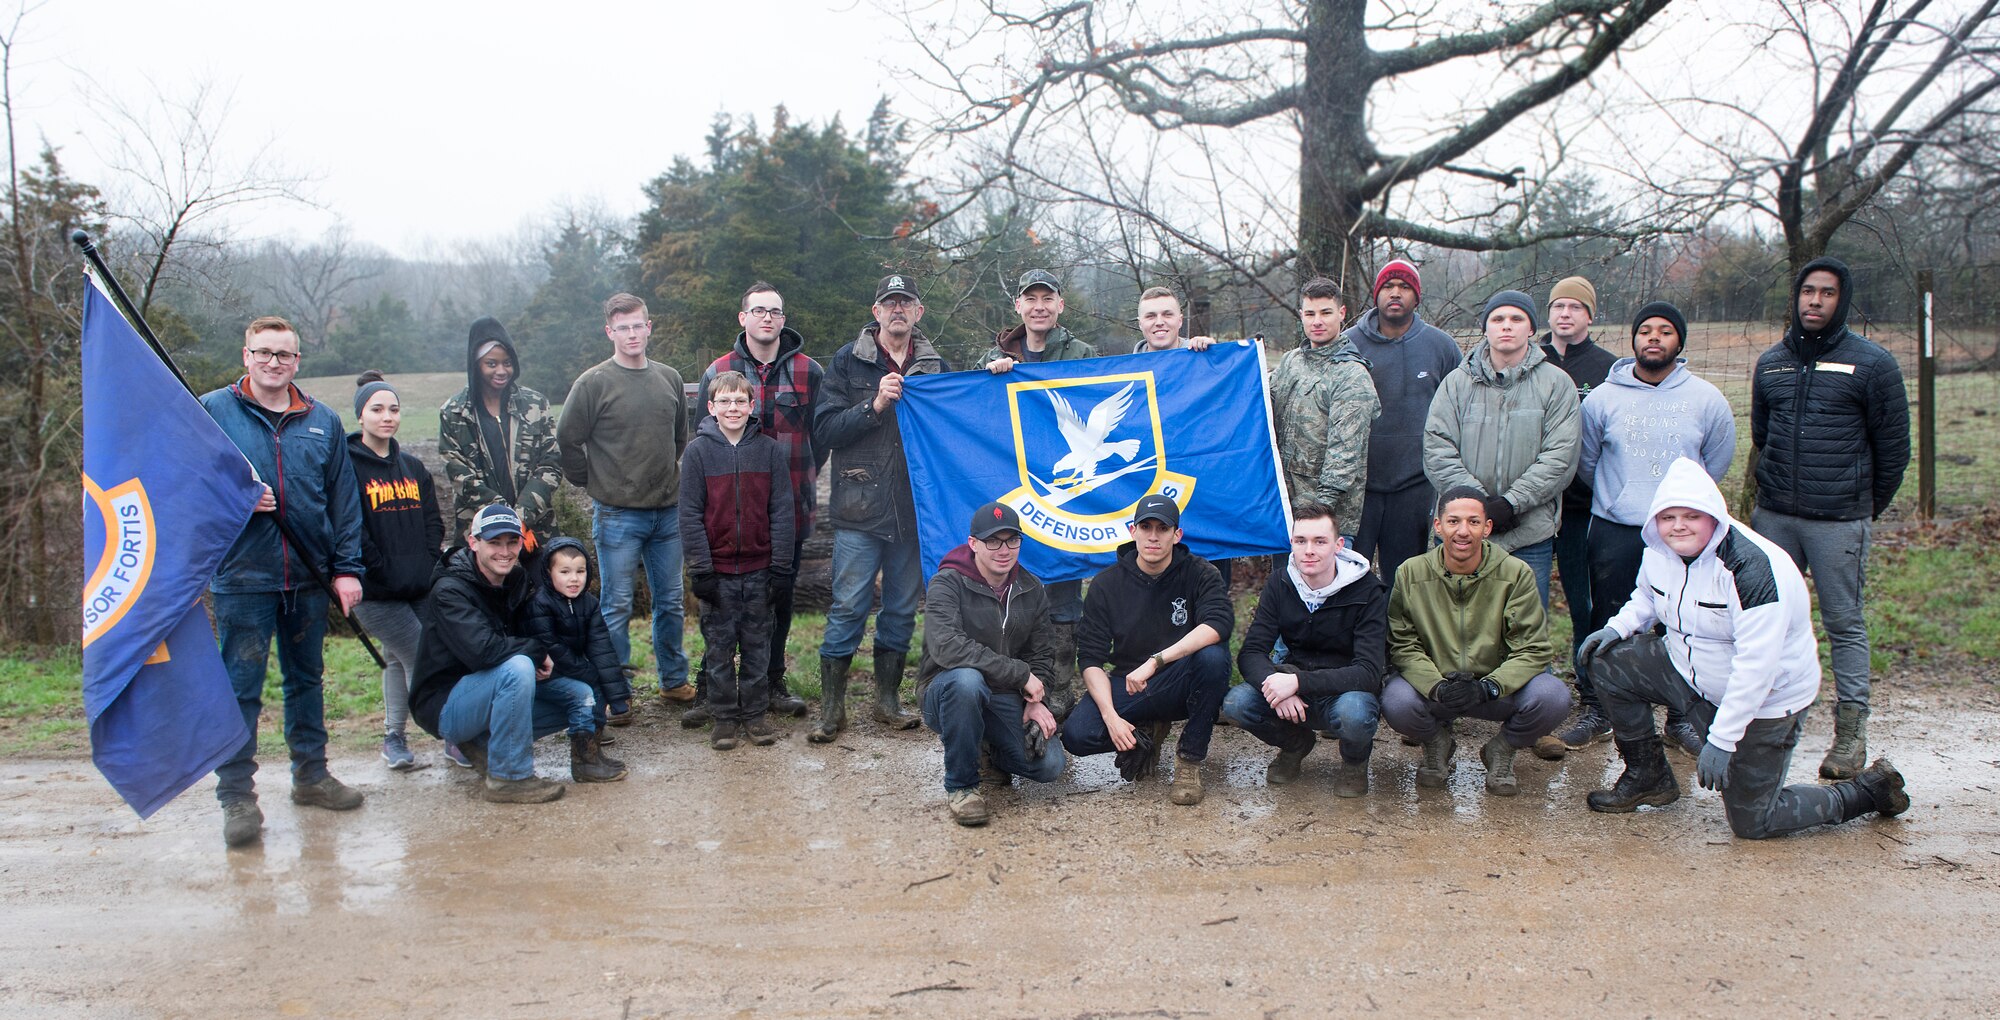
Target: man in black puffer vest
x=1831, y=425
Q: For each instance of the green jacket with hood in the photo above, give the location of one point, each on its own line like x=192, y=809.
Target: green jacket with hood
x=1489, y=623
x=1515, y=434
x=1062, y=346
x=531, y=458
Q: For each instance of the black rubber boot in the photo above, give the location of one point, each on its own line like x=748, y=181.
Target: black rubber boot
x=697, y=715
x=1647, y=779
x=888, y=681
x=783, y=701
x=1878, y=789
x=587, y=763
x=833, y=698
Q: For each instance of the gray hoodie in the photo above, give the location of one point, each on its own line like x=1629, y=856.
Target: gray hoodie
x=1407, y=372
x=1511, y=434
x=1634, y=431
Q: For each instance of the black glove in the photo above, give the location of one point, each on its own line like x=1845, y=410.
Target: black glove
x=783, y=581
x=1456, y=693
x=1501, y=513
x=706, y=587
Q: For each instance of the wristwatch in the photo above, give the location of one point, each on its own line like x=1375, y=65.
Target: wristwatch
x=1158, y=662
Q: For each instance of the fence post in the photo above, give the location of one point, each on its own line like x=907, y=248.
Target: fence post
x=1927, y=400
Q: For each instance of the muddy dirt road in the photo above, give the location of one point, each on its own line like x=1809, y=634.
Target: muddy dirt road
x=804, y=881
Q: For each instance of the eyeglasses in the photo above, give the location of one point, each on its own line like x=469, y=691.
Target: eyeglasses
x=633, y=329
x=765, y=313
x=264, y=356
x=896, y=303
x=1003, y=543
x=738, y=401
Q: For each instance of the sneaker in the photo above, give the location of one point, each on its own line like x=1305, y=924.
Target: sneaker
x=968, y=808
x=725, y=735
x=677, y=695
x=456, y=756
x=396, y=751
x=760, y=732
x=328, y=793
x=532, y=790
x=242, y=822
x=1682, y=737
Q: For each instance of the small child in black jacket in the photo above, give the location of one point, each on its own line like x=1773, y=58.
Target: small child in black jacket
x=563, y=616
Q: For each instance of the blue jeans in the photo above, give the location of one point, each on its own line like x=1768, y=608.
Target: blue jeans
x=505, y=706
x=963, y=711
x=1190, y=688
x=1540, y=556
x=1352, y=717
x=857, y=558
x=576, y=698
x=246, y=623
x=625, y=539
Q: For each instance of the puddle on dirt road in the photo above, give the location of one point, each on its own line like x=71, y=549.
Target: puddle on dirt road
x=815, y=880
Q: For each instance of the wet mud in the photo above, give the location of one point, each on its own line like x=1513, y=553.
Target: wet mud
x=809, y=881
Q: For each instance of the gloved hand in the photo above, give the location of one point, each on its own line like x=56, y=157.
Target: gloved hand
x=706, y=587
x=1500, y=512
x=1595, y=644
x=1712, y=771
x=1456, y=693
x=783, y=581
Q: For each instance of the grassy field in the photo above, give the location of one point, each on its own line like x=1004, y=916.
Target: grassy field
x=422, y=394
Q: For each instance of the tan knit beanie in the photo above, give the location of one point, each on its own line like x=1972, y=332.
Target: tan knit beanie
x=1577, y=288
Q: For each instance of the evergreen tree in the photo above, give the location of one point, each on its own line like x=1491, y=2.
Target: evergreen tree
x=561, y=332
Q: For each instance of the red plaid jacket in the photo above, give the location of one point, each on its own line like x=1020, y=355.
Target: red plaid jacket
x=786, y=392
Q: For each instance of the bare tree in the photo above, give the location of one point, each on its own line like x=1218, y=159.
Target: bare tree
x=178, y=181
x=314, y=281
x=1049, y=87
x=1887, y=82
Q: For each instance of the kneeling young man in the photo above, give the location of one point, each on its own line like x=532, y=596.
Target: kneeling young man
x=1159, y=617
x=988, y=643
x=1738, y=659
x=1469, y=637
x=1333, y=614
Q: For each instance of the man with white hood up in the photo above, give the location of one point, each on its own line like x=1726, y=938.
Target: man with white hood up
x=1333, y=614
x=1738, y=659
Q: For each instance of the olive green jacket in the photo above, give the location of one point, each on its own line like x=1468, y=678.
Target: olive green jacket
x=1489, y=622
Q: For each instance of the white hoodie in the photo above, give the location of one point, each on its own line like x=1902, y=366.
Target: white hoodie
x=1738, y=618
x=1348, y=567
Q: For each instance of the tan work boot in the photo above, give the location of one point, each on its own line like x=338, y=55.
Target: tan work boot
x=1498, y=757
x=1186, y=788
x=1436, y=769
x=532, y=790
x=968, y=808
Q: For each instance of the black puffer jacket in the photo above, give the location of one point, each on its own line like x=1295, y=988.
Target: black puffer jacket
x=871, y=480
x=1829, y=417
x=470, y=625
x=573, y=632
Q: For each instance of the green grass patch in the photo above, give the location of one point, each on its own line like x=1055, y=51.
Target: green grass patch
x=1930, y=593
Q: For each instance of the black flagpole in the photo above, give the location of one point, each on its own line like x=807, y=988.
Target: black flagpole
x=83, y=241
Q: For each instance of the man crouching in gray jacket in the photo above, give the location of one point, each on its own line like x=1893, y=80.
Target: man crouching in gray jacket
x=988, y=643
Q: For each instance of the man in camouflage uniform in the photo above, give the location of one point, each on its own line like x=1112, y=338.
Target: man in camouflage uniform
x=1323, y=403
x=498, y=441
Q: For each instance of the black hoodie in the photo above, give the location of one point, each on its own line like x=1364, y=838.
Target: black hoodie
x=1128, y=614
x=401, y=527
x=492, y=432
x=572, y=630
x=1828, y=416
x=470, y=625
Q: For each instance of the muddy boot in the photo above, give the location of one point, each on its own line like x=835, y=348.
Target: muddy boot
x=1186, y=788
x=1647, y=779
x=587, y=763
x=1352, y=779
x=475, y=757
x=242, y=822
x=605, y=738
x=760, y=732
x=1850, y=742
x=832, y=698
x=783, y=701
x=1285, y=768
x=1436, y=769
x=968, y=808
x=697, y=714
x=532, y=790
x=888, y=681
x=726, y=734
x=991, y=776
x=1878, y=789
x=1498, y=757
x=328, y=793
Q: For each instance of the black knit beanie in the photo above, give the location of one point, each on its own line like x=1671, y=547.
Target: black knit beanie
x=1662, y=310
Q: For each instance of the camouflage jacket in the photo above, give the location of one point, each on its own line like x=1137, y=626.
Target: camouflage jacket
x=537, y=463
x=1322, y=405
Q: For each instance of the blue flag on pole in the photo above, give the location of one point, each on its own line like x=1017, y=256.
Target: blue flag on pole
x=165, y=494
x=1073, y=446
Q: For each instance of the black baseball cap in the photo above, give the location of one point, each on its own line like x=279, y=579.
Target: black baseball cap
x=494, y=520
x=1037, y=278
x=1158, y=508
x=994, y=518
x=896, y=283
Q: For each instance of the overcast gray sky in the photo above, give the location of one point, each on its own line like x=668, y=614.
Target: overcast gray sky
x=528, y=104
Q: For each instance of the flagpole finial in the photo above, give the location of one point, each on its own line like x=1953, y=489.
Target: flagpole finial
x=79, y=237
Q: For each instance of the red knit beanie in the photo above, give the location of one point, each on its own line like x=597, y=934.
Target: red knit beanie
x=1398, y=269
